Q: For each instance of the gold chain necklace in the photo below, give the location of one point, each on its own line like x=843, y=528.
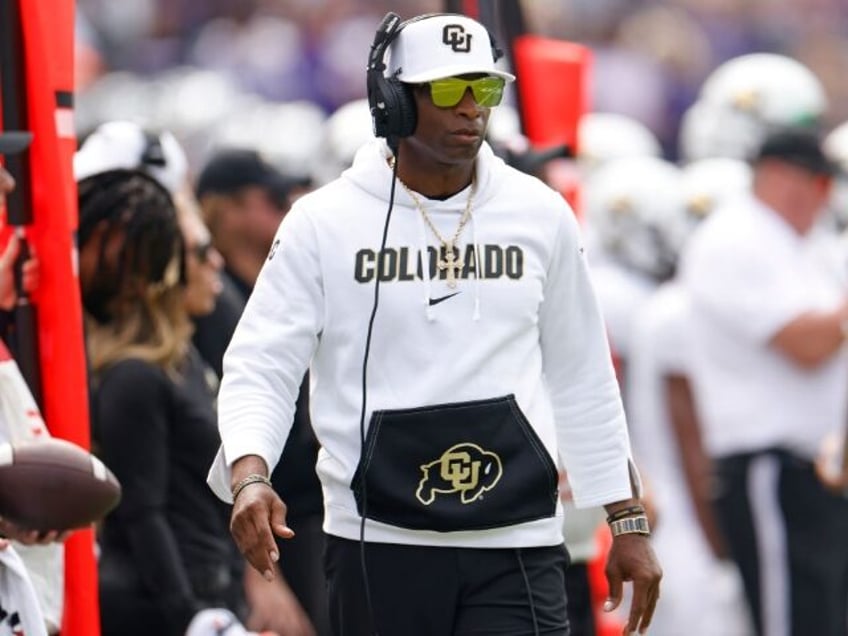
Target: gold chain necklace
x=449, y=263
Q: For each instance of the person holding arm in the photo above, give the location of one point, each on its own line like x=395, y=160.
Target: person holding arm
x=769, y=376
x=32, y=561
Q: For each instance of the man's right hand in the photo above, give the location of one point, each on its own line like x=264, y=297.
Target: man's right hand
x=832, y=464
x=258, y=514
x=11, y=531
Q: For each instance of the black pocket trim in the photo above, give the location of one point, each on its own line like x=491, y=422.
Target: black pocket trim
x=461, y=466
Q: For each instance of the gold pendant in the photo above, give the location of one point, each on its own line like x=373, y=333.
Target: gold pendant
x=450, y=264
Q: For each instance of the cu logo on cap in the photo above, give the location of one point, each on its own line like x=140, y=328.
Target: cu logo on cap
x=454, y=35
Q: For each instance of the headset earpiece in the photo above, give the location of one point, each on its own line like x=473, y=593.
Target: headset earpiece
x=401, y=112
x=391, y=102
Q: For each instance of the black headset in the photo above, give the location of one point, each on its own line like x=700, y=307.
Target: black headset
x=390, y=100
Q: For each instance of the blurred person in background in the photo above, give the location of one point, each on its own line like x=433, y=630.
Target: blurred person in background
x=629, y=204
x=157, y=154
x=602, y=137
x=271, y=604
x=769, y=377
x=203, y=261
x=630, y=200
x=31, y=585
x=667, y=438
x=165, y=554
x=243, y=198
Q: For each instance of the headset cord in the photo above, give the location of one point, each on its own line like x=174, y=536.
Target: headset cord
x=529, y=592
x=364, y=484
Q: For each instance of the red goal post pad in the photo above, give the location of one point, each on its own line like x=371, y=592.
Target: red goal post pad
x=553, y=88
x=554, y=93
x=48, y=43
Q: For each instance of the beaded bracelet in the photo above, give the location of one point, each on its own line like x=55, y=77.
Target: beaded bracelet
x=252, y=478
x=630, y=511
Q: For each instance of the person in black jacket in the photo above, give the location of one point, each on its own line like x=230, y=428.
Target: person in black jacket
x=243, y=199
x=165, y=552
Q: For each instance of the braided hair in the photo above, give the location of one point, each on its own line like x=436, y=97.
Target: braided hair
x=132, y=274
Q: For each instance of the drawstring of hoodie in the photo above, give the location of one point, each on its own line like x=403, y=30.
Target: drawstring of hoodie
x=425, y=266
x=476, y=315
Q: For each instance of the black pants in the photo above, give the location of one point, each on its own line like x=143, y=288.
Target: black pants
x=789, y=537
x=434, y=591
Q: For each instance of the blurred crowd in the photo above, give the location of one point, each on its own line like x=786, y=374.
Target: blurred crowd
x=231, y=70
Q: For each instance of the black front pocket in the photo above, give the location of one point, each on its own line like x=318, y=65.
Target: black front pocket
x=448, y=467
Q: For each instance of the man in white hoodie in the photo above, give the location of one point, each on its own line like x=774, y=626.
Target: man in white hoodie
x=456, y=354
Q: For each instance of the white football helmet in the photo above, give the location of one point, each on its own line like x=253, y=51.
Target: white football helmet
x=631, y=206
x=707, y=184
x=605, y=136
x=344, y=132
x=836, y=147
x=746, y=97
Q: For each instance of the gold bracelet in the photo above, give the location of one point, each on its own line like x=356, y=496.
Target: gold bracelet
x=629, y=511
x=630, y=525
x=252, y=478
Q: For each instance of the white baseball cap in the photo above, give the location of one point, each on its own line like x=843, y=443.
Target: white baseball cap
x=442, y=45
x=125, y=145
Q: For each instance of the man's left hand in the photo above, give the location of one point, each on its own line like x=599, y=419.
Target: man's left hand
x=632, y=558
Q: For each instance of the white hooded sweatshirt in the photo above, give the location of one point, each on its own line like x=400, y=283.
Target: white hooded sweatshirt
x=522, y=321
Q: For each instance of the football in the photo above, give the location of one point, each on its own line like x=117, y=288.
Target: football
x=53, y=484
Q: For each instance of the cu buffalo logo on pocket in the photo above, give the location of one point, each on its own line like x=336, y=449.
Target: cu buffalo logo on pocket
x=465, y=469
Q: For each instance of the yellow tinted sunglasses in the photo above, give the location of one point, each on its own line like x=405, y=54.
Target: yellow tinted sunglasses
x=449, y=91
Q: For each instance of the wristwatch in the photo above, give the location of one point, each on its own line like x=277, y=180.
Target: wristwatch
x=630, y=525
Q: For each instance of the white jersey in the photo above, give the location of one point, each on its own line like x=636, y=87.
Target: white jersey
x=661, y=347
x=621, y=292
x=750, y=274
x=521, y=329
x=28, y=572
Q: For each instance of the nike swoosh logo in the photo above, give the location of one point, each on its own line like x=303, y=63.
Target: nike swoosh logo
x=436, y=301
